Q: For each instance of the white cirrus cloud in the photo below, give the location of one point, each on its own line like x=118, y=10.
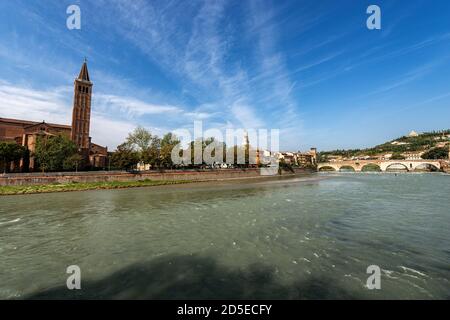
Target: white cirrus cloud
x=132, y=107
x=34, y=105
x=55, y=106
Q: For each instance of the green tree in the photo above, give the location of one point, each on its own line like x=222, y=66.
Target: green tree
x=436, y=153
x=10, y=152
x=52, y=151
x=149, y=147
x=283, y=165
x=197, y=144
x=125, y=157
x=73, y=162
x=322, y=157
x=140, y=139
x=203, y=144
x=168, y=142
x=215, y=149
x=151, y=155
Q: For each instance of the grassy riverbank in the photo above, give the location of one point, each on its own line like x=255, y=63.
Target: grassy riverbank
x=73, y=186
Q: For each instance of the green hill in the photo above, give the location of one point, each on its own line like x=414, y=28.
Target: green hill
x=407, y=144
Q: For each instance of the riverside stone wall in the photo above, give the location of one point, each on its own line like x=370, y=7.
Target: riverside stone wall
x=62, y=178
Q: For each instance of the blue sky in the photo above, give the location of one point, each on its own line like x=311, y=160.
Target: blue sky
x=309, y=68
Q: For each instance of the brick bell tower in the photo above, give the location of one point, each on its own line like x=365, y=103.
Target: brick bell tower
x=81, y=116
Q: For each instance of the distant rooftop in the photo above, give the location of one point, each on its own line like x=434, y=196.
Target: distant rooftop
x=413, y=134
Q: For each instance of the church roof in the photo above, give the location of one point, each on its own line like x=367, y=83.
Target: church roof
x=84, y=73
x=27, y=123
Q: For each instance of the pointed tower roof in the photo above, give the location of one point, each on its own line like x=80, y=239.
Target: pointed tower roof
x=84, y=73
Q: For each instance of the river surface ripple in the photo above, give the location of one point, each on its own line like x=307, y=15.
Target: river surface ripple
x=297, y=238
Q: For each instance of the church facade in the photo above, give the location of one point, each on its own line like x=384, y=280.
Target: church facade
x=26, y=132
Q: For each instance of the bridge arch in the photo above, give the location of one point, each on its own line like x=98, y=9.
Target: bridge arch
x=425, y=166
x=327, y=168
x=371, y=167
x=397, y=166
x=347, y=168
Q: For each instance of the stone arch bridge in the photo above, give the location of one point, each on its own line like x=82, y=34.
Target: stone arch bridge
x=383, y=165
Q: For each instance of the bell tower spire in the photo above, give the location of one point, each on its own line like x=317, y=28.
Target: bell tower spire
x=81, y=116
x=84, y=73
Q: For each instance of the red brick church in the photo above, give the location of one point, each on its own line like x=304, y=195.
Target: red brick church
x=26, y=132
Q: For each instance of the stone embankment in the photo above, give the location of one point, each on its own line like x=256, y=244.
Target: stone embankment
x=166, y=175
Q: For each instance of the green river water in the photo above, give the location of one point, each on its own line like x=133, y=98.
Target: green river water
x=309, y=237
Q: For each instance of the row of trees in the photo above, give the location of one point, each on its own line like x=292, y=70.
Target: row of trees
x=11, y=152
x=59, y=153
x=52, y=153
x=141, y=146
x=56, y=153
x=436, y=153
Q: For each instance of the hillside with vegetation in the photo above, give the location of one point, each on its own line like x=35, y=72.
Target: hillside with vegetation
x=433, y=145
